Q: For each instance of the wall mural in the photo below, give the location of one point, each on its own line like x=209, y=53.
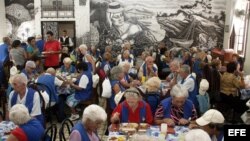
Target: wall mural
x=144, y=23
x=20, y=18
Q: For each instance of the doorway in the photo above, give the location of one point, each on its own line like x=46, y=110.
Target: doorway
x=57, y=28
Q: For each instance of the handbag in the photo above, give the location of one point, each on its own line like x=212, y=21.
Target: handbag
x=106, y=88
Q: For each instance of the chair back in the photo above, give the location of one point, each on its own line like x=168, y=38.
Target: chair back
x=50, y=133
x=65, y=129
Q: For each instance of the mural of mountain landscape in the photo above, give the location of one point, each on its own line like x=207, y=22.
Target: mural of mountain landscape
x=20, y=18
x=179, y=23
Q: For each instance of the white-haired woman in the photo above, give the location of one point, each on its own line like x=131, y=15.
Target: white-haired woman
x=177, y=109
x=125, y=58
x=133, y=109
x=87, y=57
x=86, y=130
x=29, y=129
x=67, y=67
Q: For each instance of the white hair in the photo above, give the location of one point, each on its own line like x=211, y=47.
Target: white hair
x=67, y=60
x=94, y=113
x=30, y=64
x=197, y=135
x=179, y=91
x=19, y=114
x=83, y=47
x=132, y=92
x=51, y=70
x=20, y=78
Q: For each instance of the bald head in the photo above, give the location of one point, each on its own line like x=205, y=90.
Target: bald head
x=51, y=71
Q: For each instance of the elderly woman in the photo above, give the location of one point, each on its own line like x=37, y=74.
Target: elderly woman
x=133, y=109
x=86, y=130
x=87, y=57
x=67, y=67
x=177, y=109
x=152, y=94
x=116, y=75
x=125, y=58
x=18, y=54
x=127, y=81
x=231, y=81
x=147, y=69
x=29, y=129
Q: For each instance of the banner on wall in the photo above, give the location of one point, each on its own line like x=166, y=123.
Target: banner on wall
x=145, y=23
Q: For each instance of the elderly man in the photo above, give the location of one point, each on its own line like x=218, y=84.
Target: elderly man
x=4, y=56
x=147, y=69
x=189, y=82
x=28, y=71
x=67, y=67
x=26, y=96
x=51, y=81
x=177, y=109
x=87, y=57
x=212, y=122
x=133, y=109
x=29, y=129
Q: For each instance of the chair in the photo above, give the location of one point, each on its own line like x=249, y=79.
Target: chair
x=50, y=133
x=69, y=125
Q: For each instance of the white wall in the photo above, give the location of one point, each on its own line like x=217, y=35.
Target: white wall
x=247, y=56
x=3, y=25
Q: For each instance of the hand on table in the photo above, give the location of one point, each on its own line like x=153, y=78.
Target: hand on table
x=169, y=122
x=183, y=121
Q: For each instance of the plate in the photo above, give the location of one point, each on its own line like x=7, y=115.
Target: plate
x=117, y=138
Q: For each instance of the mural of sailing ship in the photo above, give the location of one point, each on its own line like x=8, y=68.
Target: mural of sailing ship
x=197, y=23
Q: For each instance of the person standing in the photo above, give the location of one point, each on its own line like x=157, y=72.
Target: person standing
x=66, y=41
x=52, y=49
x=4, y=57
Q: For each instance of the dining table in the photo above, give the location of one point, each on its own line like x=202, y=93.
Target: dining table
x=5, y=128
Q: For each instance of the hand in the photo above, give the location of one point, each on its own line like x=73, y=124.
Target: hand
x=193, y=126
x=169, y=122
x=183, y=121
x=115, y=117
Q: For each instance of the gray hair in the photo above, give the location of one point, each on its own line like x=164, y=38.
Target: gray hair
x=20, y=78
x=179, y=91
x=185, y=68
x=19, y=114
x=94, y=113
x=115, y=71
x=31, y=64
x=175, y=63
x=197, y=135
x=67, y=60
x=132, y=92
x=83, y=47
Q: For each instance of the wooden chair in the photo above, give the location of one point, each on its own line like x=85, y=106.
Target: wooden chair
x=66, y=127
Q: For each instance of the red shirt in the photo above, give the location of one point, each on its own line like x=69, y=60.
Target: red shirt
x=52, y=60
x=135, y=116
x=19, y=134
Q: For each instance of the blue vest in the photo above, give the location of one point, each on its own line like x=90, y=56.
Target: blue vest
x=49, y=81
x=33, y=130
x=129, y=59
x=112, y=98
x=194, y=93
x=125, y=113
x=86, y=93
x=72, y=69
x=144, y=67
x=28, y=103
x=153, y=99
x=26, y=74
x=197, y=68
x=188, y=107
x=126, y=78
x=80, y=127
x=4, y=53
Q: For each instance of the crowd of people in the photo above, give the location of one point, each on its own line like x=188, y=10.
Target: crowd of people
x=200, y=94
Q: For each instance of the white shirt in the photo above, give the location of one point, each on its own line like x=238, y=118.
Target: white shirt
x=36, y=110
x=70, y=41
x=84, y=80
x=188, y=83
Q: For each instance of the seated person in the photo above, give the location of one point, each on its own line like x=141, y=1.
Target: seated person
x=147, y=69
x=83, y=88
x=29, y=129
x=128, y=81
x=85, y=130
x=26, y=96
x=67, y=67
x=177, y=109
x=28, y=71
x=212, y=121
x=133, y=109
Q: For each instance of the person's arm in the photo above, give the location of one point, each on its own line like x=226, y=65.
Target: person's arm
x=82, y=84
x=71, y=44
x=116, y=89
x=75, y=136
x=149, y=118
x=90, y=59
x=115, y=117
